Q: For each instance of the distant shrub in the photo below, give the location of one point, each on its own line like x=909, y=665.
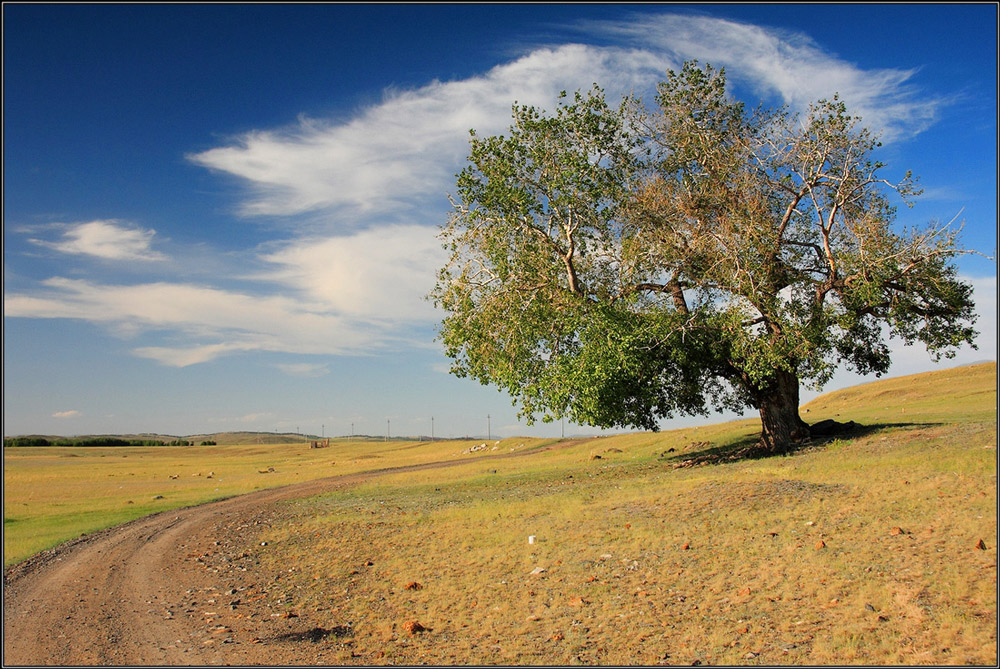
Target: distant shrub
x=14, y=442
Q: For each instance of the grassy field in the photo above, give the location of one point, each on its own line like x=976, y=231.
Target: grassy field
x=860, y=550
x=53, y=494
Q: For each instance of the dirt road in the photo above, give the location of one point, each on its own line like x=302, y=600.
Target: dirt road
x=165, y=589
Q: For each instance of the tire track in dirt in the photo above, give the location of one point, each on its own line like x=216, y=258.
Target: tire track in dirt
x=124, y=596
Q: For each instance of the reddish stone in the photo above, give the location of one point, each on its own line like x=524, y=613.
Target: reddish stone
x=413, y=627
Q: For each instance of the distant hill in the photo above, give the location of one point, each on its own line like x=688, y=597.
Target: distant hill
x=240, y=438
x=237, y=438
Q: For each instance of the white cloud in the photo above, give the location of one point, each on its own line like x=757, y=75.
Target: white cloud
x=376, y=275
x=304, y=369
x=406, y=150
x=73, y=413
x=184, y=357
x=236, y=321
x=251, y=417
x=403, y=152
x=789, y=64
x=109, y=240
x=441, y=367
x=351, y=294
x=352, y=278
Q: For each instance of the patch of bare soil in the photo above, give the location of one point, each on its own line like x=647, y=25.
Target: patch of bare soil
x=176, y=588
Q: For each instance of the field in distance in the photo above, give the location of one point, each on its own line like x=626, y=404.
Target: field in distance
x=877, y=547
x=53, y=494
x=150, y=439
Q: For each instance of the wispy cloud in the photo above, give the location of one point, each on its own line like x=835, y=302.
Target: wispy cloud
x=345, y=295
x=403, y=153
x=109, y=240
x=235, y=321
x=304, y=369
x=441, y=367
x=252, y=417
x=186, y=356
x=73, y=413
x=788, y=64
x=361, y=198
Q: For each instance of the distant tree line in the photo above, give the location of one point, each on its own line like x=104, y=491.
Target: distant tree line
x=15, y=442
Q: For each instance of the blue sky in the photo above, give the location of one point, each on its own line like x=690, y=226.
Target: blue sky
x=223, y=217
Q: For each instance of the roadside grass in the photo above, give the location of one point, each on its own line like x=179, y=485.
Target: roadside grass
x=856, y=551
x=54, y=494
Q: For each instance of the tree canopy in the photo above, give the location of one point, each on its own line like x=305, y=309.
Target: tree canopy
x=621, y=265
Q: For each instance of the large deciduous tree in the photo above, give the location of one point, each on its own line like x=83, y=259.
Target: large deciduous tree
x=620, y=265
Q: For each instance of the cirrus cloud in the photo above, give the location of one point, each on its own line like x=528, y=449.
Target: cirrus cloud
x=347, y=295
x=787, y=64
x=106, y=239
x=231, y=321
x=403, y=153
x=304, y=369
x=361, y=198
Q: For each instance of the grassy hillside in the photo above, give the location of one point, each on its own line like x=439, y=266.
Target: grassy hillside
x=959, y=394
x=862, y=549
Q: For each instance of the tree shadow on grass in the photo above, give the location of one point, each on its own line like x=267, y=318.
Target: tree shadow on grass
x=748, y=448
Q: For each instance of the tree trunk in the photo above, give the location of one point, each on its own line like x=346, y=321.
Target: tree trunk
x=781, y=425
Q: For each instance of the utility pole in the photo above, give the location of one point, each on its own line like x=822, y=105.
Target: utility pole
x=489, y=428
x=387, y=429
x=432, y=428
x=352, y=431
x=322, y=431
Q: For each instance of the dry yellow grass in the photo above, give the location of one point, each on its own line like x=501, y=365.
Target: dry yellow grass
x=53, y=494
x=861, y=550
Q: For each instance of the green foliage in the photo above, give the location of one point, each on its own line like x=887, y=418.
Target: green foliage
x=15, y=442
x=620, y=265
